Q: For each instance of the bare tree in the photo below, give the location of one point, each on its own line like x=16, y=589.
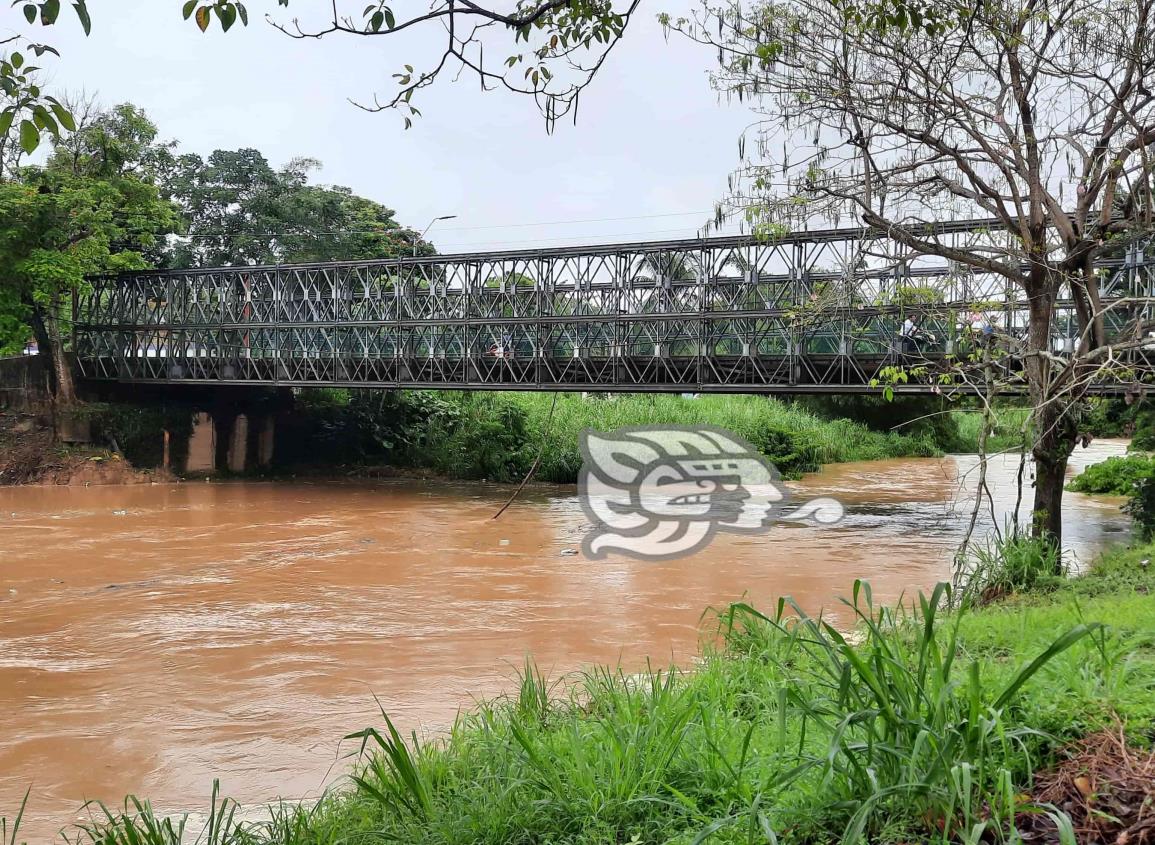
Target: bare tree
x=550, y=50
x=1035, y=113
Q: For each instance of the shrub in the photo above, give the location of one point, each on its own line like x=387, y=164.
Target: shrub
x=1143, y=436
x=1115, y=476
x=1114, y=417
x=495, y=436
x=1012, y=563
x=363, y=426
x=488, y=439
x=1141, y=506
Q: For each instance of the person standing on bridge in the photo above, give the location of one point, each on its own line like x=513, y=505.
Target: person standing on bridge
x=910, y=335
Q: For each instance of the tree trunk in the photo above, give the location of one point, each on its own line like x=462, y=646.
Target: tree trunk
x=1054, y=436
x=46, y=327
x=1054, y=441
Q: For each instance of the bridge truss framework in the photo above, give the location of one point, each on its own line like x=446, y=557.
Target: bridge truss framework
x=815, y=312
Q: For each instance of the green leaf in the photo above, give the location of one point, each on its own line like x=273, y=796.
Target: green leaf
x=376, y=21
x=29, y=136
x=6, y=118
x=44, y=120
x=81, y=7
x=189, y=8
x=49, y=12
x=390, y=21
x=64, y=116
x=228, y=16
x=202, y=17
x=243, y=12
x=30, y=13
x=1057, y=647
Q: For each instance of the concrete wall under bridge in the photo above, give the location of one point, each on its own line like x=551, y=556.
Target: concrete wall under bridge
x=24, y=384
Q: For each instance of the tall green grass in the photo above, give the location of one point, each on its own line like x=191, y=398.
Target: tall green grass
x=497, y=436
x=795, y=439
x=8, y=833
x=921, y=727
x=1004, y=565
x=1006, y=430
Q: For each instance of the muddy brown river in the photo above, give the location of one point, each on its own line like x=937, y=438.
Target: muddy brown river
x=153, y=638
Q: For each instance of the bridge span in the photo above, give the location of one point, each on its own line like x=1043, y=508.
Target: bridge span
x=812, y=312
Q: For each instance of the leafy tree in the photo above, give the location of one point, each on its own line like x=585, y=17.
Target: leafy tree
x=88, y=210
x=237, y=209
x=1037, y=114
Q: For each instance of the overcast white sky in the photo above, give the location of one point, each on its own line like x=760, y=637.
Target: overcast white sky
x=651, y=138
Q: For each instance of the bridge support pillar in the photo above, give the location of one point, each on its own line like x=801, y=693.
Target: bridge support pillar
x=202, y=446
x=238, y=451
x=266, y=441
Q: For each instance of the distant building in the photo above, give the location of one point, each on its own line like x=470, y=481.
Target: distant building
x=31, y=348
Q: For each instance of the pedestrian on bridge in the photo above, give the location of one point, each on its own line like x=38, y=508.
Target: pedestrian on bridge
x=911, y=333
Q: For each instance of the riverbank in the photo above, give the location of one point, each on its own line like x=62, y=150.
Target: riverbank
x=924, y=726
x=497, y=437
x=486, y=436
x=31, y=454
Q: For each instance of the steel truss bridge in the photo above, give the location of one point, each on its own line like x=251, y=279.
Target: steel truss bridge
x=814, y=312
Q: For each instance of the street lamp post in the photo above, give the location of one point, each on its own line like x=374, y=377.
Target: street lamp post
x=427, y=228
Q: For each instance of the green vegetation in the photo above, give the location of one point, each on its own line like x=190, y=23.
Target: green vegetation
x=1117, y=418
x=497, y=436
x=112, y=196
x=1141, y=507
x=1006, y=432
x=925, y=726
x=236, y=208
x=795, y=439
x=1007, y=565
x=1116, y=476
x=1132, y=476
x=88, y=210
x=136, y=430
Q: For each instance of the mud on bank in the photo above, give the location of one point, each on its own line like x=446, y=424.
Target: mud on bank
x=30, y=453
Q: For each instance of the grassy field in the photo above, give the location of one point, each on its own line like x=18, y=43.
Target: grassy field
x=925, y=726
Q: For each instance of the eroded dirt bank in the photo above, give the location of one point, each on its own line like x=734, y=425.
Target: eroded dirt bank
x=30, y=453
